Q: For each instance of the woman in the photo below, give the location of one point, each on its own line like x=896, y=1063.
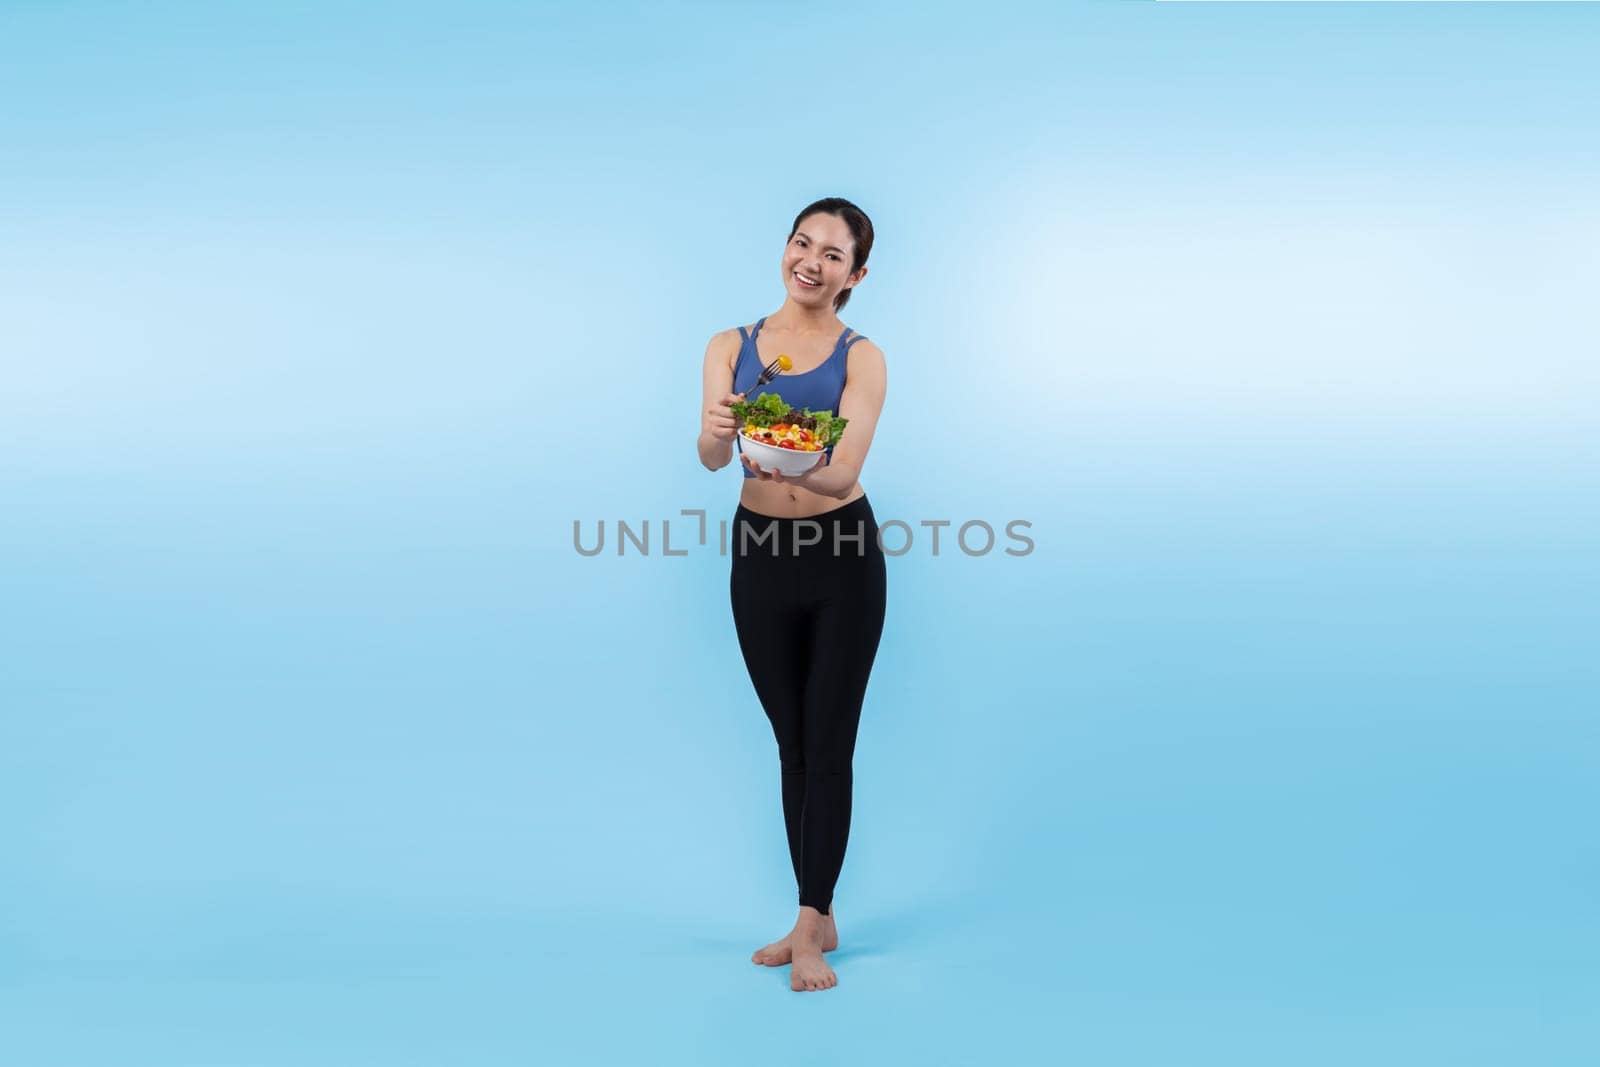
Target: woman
x=808, y=577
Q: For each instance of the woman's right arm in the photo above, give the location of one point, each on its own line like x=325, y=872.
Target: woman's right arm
x=717, y=424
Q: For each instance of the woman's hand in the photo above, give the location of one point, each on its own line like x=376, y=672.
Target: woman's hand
x=718, y=421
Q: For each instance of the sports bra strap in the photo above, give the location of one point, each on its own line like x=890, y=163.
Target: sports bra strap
x=748, y=338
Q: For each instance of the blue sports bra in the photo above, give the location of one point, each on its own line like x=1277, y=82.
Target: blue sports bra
x=820, y=389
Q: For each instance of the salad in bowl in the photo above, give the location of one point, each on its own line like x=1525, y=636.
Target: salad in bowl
x=778, y=438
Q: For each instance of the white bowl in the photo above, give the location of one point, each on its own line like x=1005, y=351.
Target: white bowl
x=788, y=462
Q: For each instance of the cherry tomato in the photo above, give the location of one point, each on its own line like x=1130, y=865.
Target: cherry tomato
x=788, y=444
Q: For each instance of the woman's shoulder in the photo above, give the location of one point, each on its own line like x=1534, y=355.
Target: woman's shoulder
x=725, y=346
x=862, y=347
x=734, y=335
x=865, y=364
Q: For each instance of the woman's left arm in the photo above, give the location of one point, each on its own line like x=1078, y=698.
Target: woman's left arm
x=866, y=381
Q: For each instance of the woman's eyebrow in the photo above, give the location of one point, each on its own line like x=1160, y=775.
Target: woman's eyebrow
x=825, y=248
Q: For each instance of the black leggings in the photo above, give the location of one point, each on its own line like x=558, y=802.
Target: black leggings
x=808, y=626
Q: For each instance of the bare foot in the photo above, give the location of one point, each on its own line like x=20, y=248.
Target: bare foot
x=780, y=952
x=809, y=970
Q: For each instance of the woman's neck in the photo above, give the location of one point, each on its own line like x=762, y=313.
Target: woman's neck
x=792, y=318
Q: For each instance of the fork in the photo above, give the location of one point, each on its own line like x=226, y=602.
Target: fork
x=771, y=371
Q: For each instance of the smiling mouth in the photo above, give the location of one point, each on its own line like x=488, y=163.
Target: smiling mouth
x=806, y=282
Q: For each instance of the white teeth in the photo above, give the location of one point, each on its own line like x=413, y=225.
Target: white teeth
x=803, y=278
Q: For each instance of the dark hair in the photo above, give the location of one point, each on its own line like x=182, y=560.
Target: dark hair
x=860, y=229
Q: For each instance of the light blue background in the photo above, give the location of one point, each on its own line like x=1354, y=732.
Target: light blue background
x=320, y=323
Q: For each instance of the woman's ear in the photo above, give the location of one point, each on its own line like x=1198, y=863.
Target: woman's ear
x=860, y=274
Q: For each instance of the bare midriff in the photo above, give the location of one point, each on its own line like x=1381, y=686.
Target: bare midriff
x=791, y=501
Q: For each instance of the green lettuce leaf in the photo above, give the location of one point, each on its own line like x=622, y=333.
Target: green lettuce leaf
x=769, y=409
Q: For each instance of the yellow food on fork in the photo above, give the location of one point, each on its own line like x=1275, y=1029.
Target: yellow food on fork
x=772, y=370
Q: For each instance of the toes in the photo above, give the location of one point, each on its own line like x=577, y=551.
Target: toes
x=771, y=956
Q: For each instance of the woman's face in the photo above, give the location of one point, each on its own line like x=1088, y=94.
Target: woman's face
x=820, y=252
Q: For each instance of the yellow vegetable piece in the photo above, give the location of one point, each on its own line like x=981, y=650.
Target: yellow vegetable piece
x=784, y=362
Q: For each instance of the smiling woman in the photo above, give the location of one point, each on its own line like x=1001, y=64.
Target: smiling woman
x=809, y=600
x=832, y=368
